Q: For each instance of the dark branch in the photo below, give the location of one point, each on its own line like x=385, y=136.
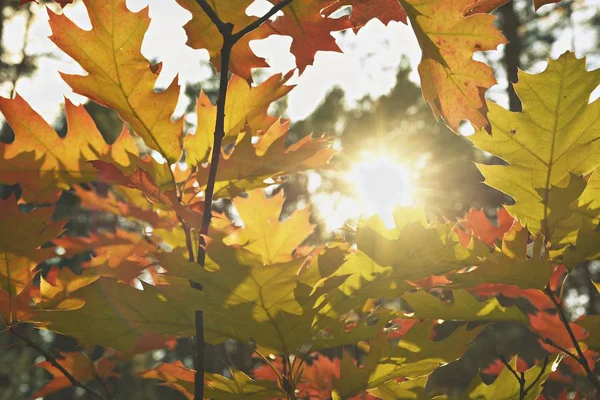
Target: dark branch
x=537, y=379
x=208, y=10
x=229, y=40
x=52, y=360
x=254, y=25
x=510, y=368
x=580, y=357
x=558, y=347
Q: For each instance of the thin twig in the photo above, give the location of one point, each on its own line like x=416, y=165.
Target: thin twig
x=519, y=377
x=558, y=347
x=580, y=357
x=537, y=379
x=510, y=368
x=254, y=25
x=54, y=363
x=229, y=40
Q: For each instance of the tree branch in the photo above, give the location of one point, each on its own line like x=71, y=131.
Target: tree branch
x=537, y=379
x=229, y=40
x=254, y=25
x=520, y=379
x=52, y=360
x=208, y=10
x=580, y=357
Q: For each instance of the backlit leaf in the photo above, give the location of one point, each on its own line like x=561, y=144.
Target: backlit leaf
x=249, y=165
x=547, y=145
x=244, y=105
x=20, y=243
x=118, y=75
x=263, y=233
x=45, y=163
x=464, y=307
x=203, y=34
x=452, y=82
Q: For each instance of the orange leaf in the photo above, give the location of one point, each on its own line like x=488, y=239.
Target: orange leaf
x=363, y=11
x=478, y=224
x=249, y=165
x=203, y=34
x=309, y=29
x=79, y=366
x=551, y=327
x=118, y=75
x=43, y=162
x=452, y=82
x=143, y=181
x=90, y=199
x=263, y=233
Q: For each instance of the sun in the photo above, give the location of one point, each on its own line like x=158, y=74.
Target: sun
x=380, y=184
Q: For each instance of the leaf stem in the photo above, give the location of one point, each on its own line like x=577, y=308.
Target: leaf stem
x=229, y=40
x=580, y=357
x=54, y=363
x=537, y=379
x=520, y=379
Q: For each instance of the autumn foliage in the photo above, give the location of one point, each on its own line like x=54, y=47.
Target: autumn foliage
x=262, y=282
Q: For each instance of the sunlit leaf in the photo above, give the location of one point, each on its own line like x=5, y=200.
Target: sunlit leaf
x=263, y=233
x=548, y=145
x=453, y=83
x=118, y=75
x=45, y=163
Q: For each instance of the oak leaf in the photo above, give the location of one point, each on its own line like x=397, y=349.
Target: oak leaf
x=464, y=307
x=364, y=11
x=309, y=29
x=548, y=145
x=80, y=366
x=118, y=75
x=20, y=243
x=263, y=233
x=245, y=105
x=478, y=224
x=413, y=356
x=143, y=180
x=452, y=82
x=250, y=164
x=203, y=34
x=119, y=316
x=45, y=163
x=507, y=387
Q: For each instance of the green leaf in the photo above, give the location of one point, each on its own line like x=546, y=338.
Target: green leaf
x=409, y=389
x=464, y=307
x=240, y=386
x=506, y=386
x=555, y=137
x=414, y=356
x=118, y=316
x=510, y=265
x=277, y=303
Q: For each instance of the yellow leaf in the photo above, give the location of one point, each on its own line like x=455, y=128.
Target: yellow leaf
x=118, y=75
x=244, y=105
x=548, y=145
x=263, y=233
x=45, y=163
x=453, y=83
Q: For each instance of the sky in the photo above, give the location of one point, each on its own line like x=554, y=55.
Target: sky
x=367, y=67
